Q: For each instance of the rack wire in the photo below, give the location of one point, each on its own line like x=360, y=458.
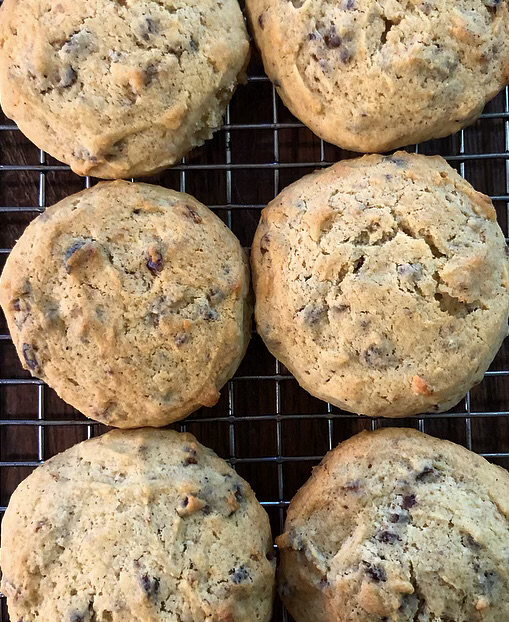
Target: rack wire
x=269, y=429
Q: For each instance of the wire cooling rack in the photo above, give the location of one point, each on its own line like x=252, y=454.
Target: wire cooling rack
x=270, y=430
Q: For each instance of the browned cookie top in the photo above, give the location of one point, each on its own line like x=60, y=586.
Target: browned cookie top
x=118, y=88
x=142, y=525
x=130, y=300
x=371, y=75
x=382, y=284
x=397, y=526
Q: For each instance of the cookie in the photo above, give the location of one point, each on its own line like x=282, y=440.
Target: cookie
x=382, y=284
x=143, y=525
x=131, y=301
x=372, y=76
x=120, y=88
x=398, y=526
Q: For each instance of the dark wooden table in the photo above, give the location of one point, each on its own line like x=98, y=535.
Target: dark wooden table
x=270, y=429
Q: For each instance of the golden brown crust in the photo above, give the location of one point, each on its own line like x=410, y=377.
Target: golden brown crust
x=131, y=301
x=372, y=76
x=137, y=525
x=398, y=524
x=119, y=89
x=377, y=271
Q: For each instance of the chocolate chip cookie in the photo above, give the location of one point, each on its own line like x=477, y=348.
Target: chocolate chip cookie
x=143, y=525
x=371, y=76
x=382, y=284
x=119, y=88
x=131, y=301
x=398, y=526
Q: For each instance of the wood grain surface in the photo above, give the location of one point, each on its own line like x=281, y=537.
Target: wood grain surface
x=271, y=430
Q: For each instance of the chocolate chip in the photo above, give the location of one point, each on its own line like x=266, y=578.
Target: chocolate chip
x=428, y=474
x=239, y=574
x=237, y=491
x=397, y=161
x=313, y=314
x=191, y=456
x=264, y=244
x=409, y=501
x=261, y=20
x=148, y=28
x=323, y=584
x=181, y=339
x=376, y=573
x=346, y=55
x=193, y=214
x=155, y=261
x=353, y=486
x=388, y=537
x=30, y=357
x=69, y=78
x=331, y=38
x=150, y=585
x=358, y=263
x=75, y=246
x=148, y=77
x=22, y=307
x=312, y=36
x=394, y=518
x=468, y=541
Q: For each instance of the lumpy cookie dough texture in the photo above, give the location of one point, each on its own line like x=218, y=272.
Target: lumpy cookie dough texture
x=143, y=525
x=397, y=526
x=371, y=76
x=131, y=301
x=119, y=88
x=382, y=284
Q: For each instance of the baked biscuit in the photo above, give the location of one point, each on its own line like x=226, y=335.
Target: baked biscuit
x=372, y=76
x=382, y=284
x=144, y=525
x=131, y=301
x=398, y=526
x=119, y=88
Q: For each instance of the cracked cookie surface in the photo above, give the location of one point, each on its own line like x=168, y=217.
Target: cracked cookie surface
x=382, y=284
x=120, y=88
x=372, y=76
x=143, y=525
x=131, y=301
x=397, y=526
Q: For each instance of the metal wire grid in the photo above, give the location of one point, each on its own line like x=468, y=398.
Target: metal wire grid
x=279, y=376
